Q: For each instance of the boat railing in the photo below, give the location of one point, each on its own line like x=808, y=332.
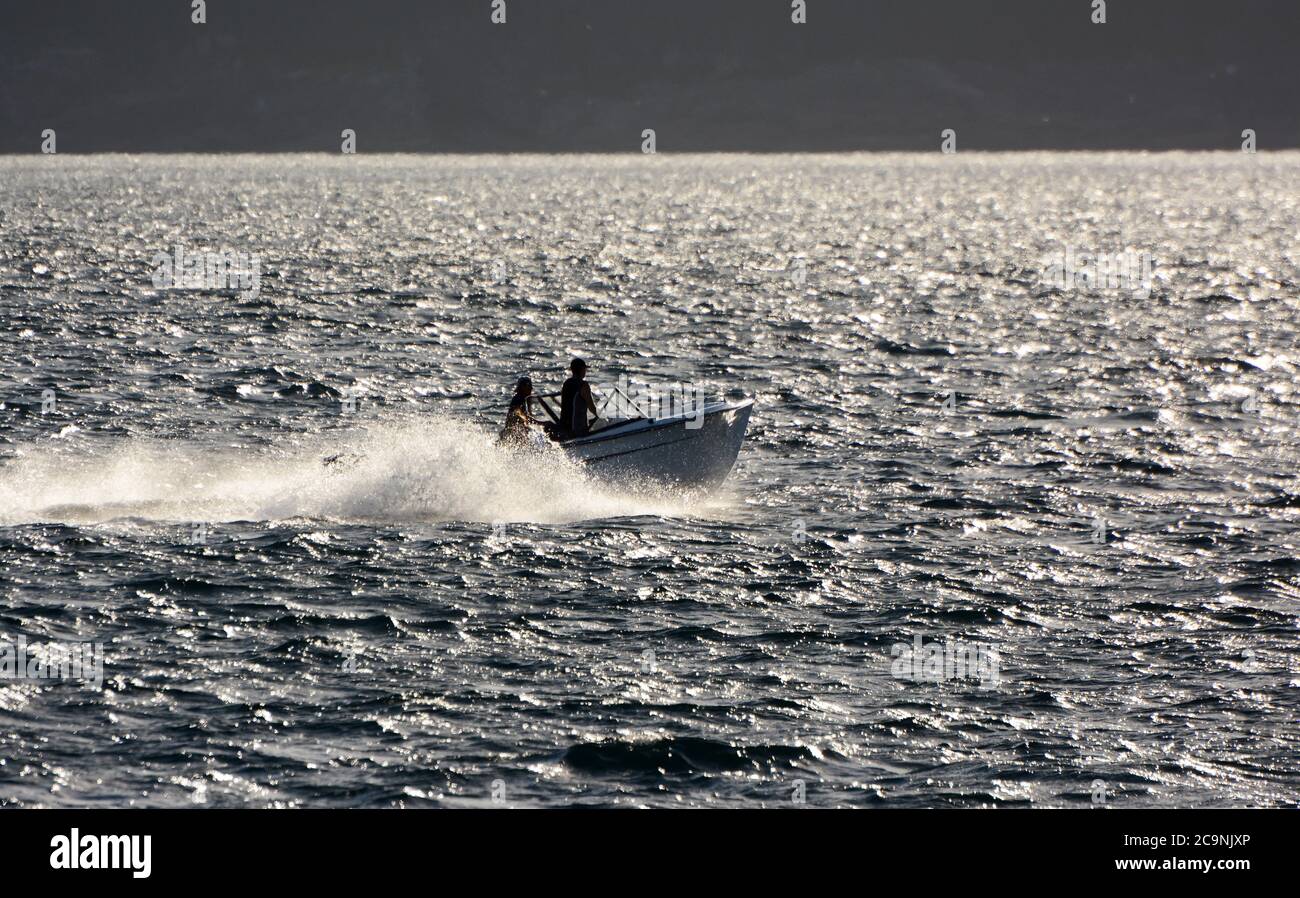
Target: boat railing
x=549, y=403
x=627, y=406
x=617, y=393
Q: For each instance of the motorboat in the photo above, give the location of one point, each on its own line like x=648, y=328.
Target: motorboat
x=691, y=444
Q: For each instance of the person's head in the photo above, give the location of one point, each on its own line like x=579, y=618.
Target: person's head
x=579, y=368
x=524, y=386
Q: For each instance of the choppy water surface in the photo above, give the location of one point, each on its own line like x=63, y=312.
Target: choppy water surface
x=1105, y=513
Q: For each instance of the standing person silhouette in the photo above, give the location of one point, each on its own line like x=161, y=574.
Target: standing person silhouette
x=576, y=401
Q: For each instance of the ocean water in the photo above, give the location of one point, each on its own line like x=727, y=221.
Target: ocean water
x=994, y=539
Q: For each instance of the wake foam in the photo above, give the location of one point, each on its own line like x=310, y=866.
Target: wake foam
x=431, y=471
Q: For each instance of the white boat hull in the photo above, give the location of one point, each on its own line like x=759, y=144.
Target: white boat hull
x=668, y=451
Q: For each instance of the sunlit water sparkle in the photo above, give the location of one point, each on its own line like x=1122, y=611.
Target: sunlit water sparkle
x=439, y=615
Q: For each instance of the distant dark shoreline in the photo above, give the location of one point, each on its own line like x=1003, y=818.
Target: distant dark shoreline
x=981, y=151
x=572, y=76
